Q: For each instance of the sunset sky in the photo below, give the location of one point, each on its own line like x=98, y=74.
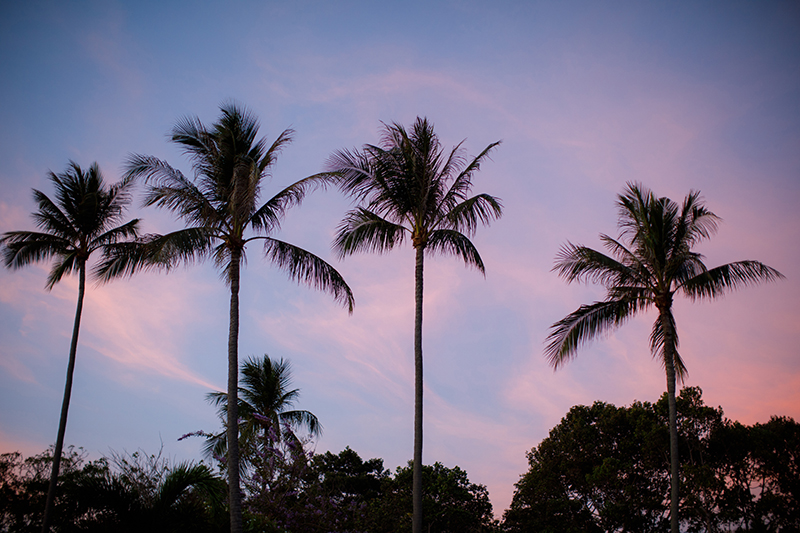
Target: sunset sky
x=585, y=97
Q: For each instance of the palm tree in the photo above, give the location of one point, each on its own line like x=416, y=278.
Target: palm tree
x=81, y=221
x=650, y=262
x=265, y=413
x=222, y=212
x=409, y=186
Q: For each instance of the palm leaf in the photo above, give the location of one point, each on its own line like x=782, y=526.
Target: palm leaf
x=451, y=242
x=268, y=217
x=583, y=325
x=305, y=267
x=716, y=281
x=364, y=231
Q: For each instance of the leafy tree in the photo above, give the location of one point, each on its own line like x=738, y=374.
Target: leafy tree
x=410, y=187
x=127, y=493
x=606, y=469
x=265, y=414
x=650, y=262
x=222, y=211
x=450, y=502
x=336, y=494
x=80, y=221
x=600, y=469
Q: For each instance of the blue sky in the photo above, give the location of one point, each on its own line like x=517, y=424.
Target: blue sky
x=585, y=97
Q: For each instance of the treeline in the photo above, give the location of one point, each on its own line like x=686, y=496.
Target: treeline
x=601, y=469
x=607, y=469
x=287, y=492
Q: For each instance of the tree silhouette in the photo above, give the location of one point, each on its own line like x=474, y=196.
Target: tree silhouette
x=650, y=262
x=80, y=221
x=410, y=187
x=221, y=208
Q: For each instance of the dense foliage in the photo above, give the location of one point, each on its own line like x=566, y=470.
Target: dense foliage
x=126, y=493
x=602, y=469
x=605, y=468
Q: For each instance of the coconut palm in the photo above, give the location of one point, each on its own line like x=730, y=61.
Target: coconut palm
x=81, y=220
x=649, y=263
x=221, y=209
x=410, y=187
x=265, y=414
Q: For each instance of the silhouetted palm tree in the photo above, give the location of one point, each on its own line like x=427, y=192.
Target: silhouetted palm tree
x=80, y=221
x=221, y=208
x=265, y=414
x=409, y=187
x=650, y=262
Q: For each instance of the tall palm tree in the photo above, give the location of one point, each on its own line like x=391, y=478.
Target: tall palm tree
x=410, y=187
x=222, y=211
x=265, y=414
x=81, y=220
x=650, y=262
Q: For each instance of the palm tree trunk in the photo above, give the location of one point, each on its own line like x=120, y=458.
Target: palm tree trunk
x=417, y=473
x=235, y=495
x=62, y=425
x=669, y=364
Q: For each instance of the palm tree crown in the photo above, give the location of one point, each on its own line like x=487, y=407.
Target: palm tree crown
x=410, y=187
x=222, y=210
x=265, y=409
x=81, y=220
x=650, y=262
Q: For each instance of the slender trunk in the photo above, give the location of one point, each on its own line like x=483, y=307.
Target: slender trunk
x=417, y=473
x=669, y=364
x=235, y=494
x=62, y=425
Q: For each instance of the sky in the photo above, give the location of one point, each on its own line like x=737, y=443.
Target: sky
x=585, y=97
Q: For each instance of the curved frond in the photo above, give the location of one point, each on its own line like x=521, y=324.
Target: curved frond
x=129, y=230
x=51, y=219
x=354, y=172
x=447, y=241
x=462, y=184
x=183, y=477
x=579, y=263
x=268, y=217
x=303, y=419
x=305, y=267
x=584, y=324
x=658, y=349
x=364, y=231
x=480, y=209
x=155, y=251
x=23, y=248
x=716, y=281
x=65, y=264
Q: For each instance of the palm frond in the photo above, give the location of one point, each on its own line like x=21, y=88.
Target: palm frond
x=303, y=419
x=716, y=281
x=183, y=477
x=354, y=172
x=268, y=217
x=584, y=324
x=129, y=230
x=51, y=219
x=66, y=263
x=23, y=248
x=452, y=242
x=305, y=267
x=580, y=263
x=658, y=348
x=364, y=231
x=162, y=252
x=480, y=209
x=462, y=184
